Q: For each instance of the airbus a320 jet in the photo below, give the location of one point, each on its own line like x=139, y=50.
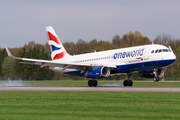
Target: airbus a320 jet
x=148, y=59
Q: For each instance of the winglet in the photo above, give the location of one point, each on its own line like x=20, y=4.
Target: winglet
x=7, y=50
x=10, y=55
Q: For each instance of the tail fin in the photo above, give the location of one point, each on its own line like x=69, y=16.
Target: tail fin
x=56, y=48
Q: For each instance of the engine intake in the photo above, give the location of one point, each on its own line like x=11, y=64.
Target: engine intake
x=98, y=72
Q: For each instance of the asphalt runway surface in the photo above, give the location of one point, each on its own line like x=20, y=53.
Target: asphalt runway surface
x=99, y=88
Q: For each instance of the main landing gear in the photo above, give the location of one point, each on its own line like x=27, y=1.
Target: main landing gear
x=128, y=82
x=93, y=83
x=156, y=79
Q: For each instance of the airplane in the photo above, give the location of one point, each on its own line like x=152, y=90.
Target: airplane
x=149, y=60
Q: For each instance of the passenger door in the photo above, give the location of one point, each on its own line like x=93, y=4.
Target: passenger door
x=146, y=53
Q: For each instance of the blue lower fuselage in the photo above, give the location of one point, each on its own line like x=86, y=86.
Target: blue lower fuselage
x=131, y=67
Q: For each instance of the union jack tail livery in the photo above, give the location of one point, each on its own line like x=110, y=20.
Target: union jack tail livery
x=56, y=48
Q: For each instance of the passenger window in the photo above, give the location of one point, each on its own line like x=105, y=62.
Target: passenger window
x=160, y=50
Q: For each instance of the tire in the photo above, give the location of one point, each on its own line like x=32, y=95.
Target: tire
x=90, y=83
x=156, y=79
x=125, y=83
x=130, y=83
x=95, y=83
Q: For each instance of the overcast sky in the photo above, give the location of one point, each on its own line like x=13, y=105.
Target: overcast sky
x=22, y=21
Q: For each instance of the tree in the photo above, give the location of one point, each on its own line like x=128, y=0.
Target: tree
x=92, y=45
x=103, y=45
x=33, y=72
x=3, y=54
x=70, y=47
x=163, y=39
x=116, y=42
x=130, y=38
x=8, y=68
x=81, y=47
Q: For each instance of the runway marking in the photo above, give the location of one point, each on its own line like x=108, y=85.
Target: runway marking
x=100, y=88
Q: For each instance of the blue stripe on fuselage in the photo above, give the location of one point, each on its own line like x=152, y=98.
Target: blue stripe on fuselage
x=142, y=66
x=132, y=67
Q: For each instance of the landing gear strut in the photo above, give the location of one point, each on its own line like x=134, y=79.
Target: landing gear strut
x=156, y=79
x=93, y=83
x=128, y=82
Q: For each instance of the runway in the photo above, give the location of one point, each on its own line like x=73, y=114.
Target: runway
x=100, y=88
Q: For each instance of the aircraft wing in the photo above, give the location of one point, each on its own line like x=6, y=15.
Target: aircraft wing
x=43, y=63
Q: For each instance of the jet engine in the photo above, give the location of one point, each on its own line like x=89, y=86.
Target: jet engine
x=98, y=72
x=151, y=73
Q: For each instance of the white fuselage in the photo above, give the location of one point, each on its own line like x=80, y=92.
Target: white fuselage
x=134, y=58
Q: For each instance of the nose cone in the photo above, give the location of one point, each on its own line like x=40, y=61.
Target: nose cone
x=172, y=58
x=168, y=59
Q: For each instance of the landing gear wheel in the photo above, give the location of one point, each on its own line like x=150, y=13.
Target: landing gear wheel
x=95, y=83
x=127, y=83
x=90, y=83
x=156, y=79
x=130, y=82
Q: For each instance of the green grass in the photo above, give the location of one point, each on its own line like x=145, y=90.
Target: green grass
x=35, y=105
x=100, y=82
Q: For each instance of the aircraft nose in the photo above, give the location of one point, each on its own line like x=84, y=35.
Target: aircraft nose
x=174, y=56
x=170, y=56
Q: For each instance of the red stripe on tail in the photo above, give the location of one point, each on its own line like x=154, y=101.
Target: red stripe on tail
x=59, y=55
x=51, y=37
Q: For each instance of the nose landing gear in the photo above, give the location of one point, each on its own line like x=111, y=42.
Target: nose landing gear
x=156, y=79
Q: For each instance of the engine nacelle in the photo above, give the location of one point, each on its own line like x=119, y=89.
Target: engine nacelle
x=151, y=73
x=98, y=72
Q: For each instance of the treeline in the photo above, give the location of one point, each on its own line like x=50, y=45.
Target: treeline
x=10, y=68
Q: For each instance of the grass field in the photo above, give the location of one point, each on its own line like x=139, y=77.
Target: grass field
x=84, y=83
x=35, y=105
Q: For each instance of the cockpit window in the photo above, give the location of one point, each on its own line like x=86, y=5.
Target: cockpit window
x=156, y=51
x=165, y=50
x=162, y=50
